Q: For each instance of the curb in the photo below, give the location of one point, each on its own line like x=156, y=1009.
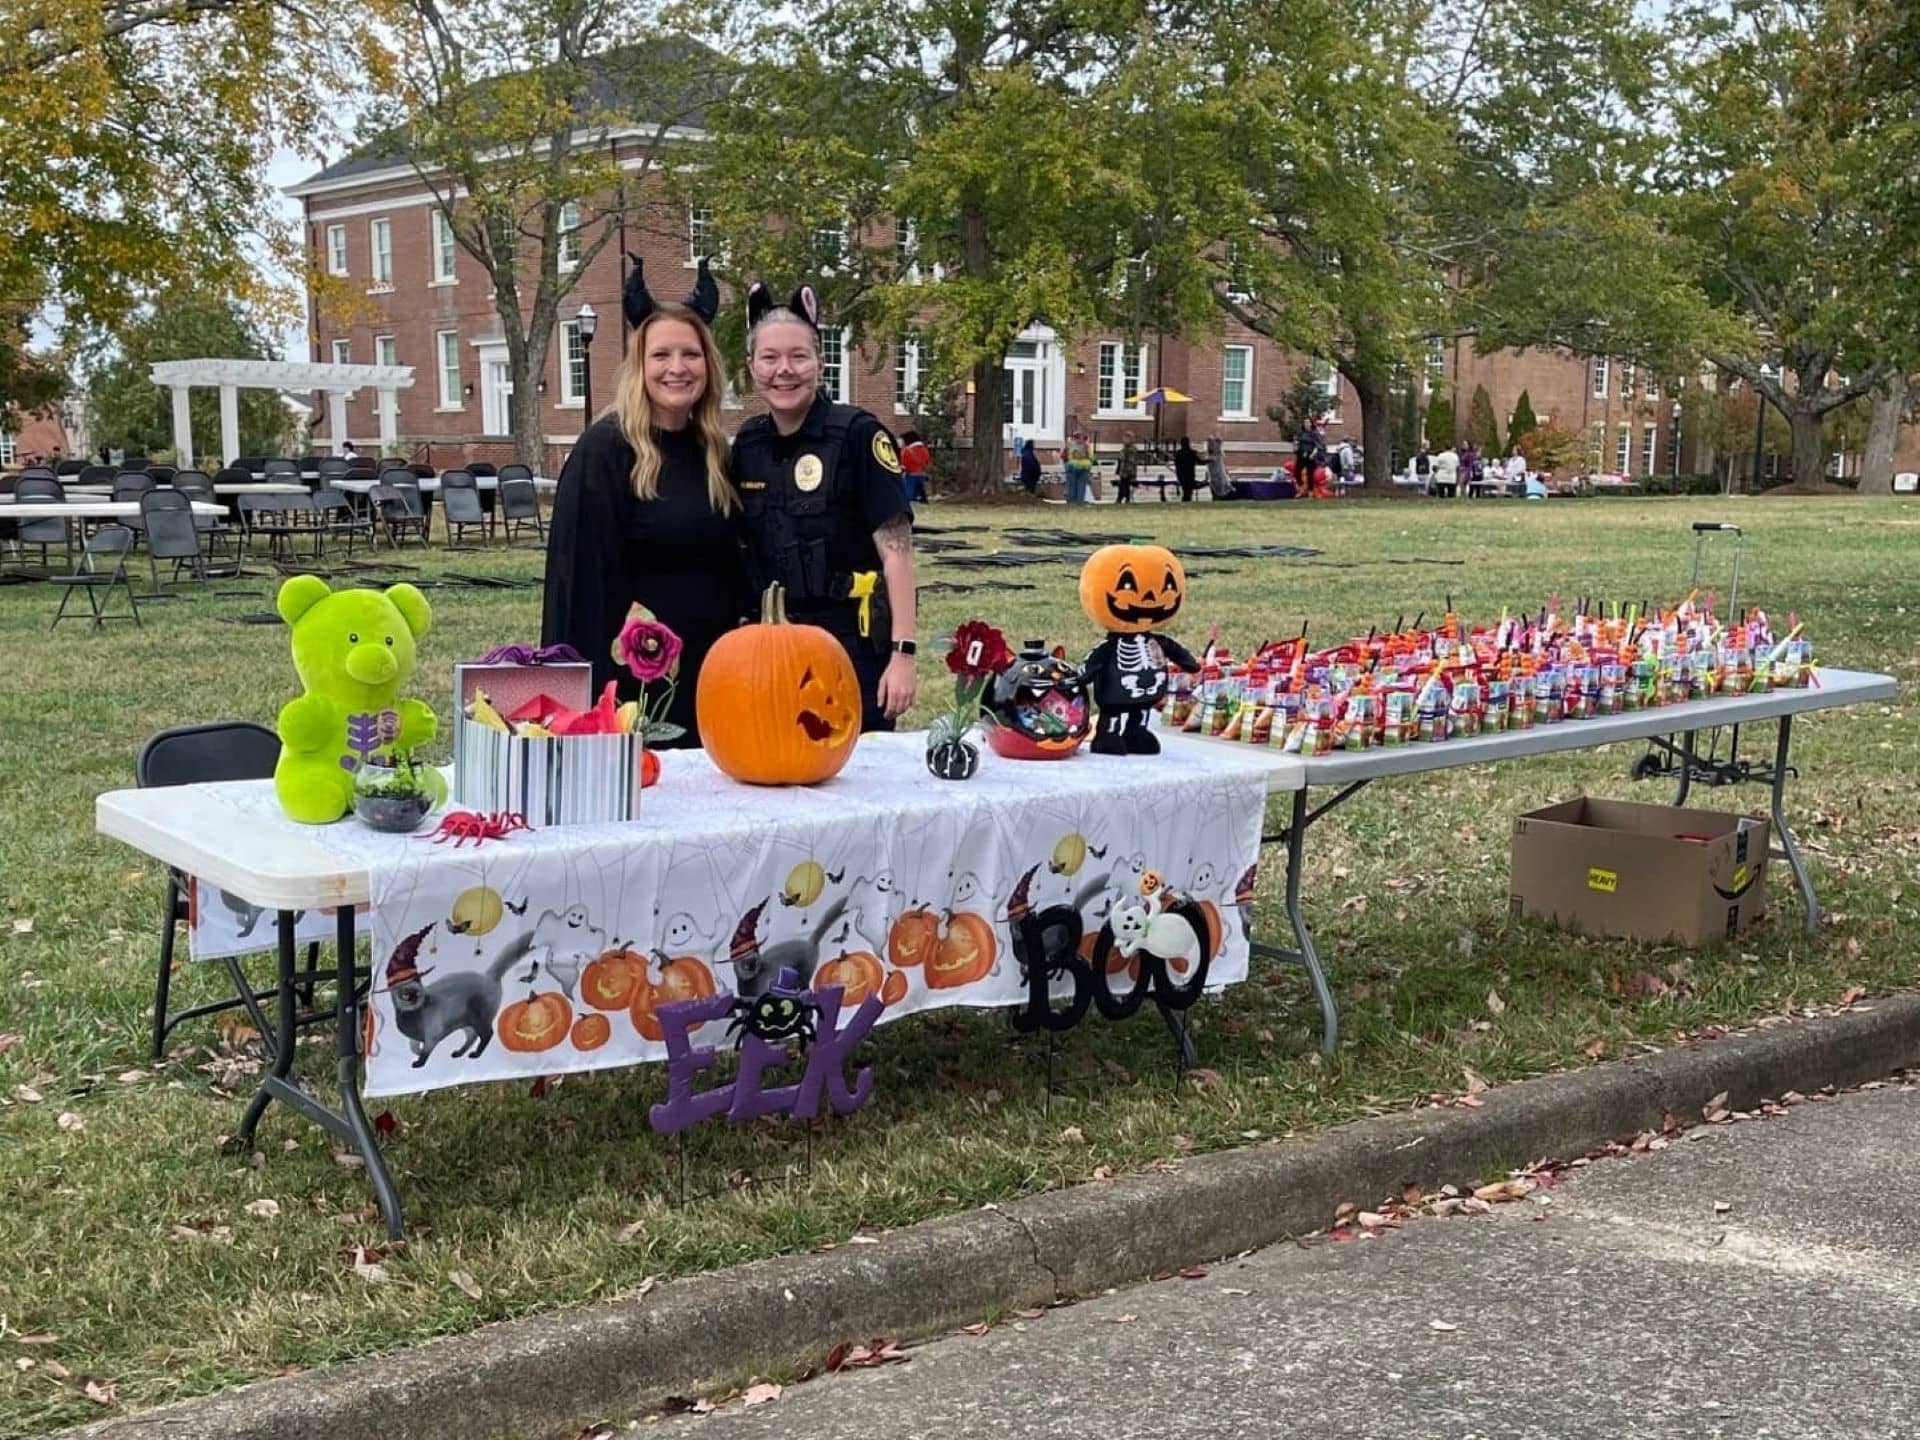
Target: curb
x=554, y=1372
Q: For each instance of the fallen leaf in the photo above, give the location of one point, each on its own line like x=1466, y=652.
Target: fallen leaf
x=979, y=1327
x=23, y=926
x=629, y=1230
x=1445, y=1327
x=1596, y=1049
x=1495, y=1003
x=1103, y=1172
x=56, y=1370
x=101, y=1392
x=463, y=1282
x=384, y=1123
x=264, y=1208
x=1721, y=1207
x=125, y=1077
x=1718, y=1104
x=1194, y=1272
x=836, y=1357
x=1119, y=1319
x=1475, y=1085
x=7, y=1042
x=1073, y=1135
x=41, y=1338
x=26, y=1094
x=1502, y=1190
x=1233, y=1290
x=863, y=1240
x=366, y=1264
x=348, y=1160
x=1183, y=1142
x=70, y=1121
x=25, y=1363
x=1854, y=992
x=1205, y=1077
x=760, y=1394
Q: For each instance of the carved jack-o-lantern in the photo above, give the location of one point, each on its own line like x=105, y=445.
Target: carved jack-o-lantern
x=681, y=978
x=778, y=703
x=609, y=983
x=914, y=939
x=538, y=1022
x=590, y=1032
x=964, y=955
x=858, y=973
x=1132, y=588
x=1039, y=706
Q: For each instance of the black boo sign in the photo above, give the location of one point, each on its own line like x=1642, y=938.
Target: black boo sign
x=1047, y=944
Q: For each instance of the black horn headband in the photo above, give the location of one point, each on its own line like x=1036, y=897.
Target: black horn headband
x=638, y=302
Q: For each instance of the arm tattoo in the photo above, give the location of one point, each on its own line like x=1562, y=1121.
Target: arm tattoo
x=895, y=537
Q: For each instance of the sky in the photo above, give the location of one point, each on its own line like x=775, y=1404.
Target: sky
x=289, y=167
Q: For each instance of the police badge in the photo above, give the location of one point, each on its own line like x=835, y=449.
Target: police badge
x=807, y=473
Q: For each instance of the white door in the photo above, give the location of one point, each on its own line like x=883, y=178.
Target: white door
x=1033, y=386
x=495, y=388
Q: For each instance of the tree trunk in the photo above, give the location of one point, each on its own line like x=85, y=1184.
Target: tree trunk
x=1376, y=432
x=983, y=472
x=1809, y=446
x=1883, y=434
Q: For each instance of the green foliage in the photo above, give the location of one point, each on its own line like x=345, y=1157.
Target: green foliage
x=126, y=410
x=1523, y=423
x=1483, y=430
x=1552, y=447
x=1302, y=402
x=1439, y=429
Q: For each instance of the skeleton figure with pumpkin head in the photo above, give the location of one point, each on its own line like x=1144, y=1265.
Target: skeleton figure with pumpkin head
x=1128, y=590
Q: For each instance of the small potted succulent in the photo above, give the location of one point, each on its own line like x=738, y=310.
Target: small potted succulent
x=392, y=793
x=979, y=652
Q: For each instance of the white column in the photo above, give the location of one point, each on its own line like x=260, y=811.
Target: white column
x=337, y=418
x=229, y=424
x=389, y=408
x=183, y=456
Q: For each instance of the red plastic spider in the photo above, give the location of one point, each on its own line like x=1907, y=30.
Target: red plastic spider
x=460, y=826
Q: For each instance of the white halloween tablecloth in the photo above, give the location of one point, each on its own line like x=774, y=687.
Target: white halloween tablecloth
x=547, y=952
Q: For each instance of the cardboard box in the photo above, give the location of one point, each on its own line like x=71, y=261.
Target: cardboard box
x=1640, y=872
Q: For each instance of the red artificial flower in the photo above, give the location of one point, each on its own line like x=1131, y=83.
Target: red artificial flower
x=646, y=647
x=978, y=651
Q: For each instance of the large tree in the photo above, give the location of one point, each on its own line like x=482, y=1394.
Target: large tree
x=872, y=146
x=507, y=111
x=133, y=153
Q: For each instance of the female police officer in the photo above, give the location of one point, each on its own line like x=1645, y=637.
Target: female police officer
x=826, y=515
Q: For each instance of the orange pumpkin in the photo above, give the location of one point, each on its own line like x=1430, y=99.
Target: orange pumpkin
x=590, y=1032
x=966, y=953
x=1132, y=588
x=609, y=982
x=894, y=989
x=681, y=978
x=1216, y=932
x=857, y=972
x=914, y=939
x=778, y=703
x=538, y=1022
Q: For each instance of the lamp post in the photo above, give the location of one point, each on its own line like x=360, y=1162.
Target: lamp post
x=587, y=322
x=1759, y=434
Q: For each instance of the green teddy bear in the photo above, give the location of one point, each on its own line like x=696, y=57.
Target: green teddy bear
x=354, y=650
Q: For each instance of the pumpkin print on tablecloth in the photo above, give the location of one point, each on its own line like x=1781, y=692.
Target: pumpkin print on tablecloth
x=1130, y=589
x=778, y=703
x=590, y=1032
x=858, y=973
x=610, y=982
x=914, y=939
x=681, y=978
x=965, y=954
x=538, y=1022
x=893, y=989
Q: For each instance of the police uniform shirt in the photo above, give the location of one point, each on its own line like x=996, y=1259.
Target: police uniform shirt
x=862, y=493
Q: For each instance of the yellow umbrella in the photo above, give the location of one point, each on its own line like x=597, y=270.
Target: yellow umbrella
x=1160, y=395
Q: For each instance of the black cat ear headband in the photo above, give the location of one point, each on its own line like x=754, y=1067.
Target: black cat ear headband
x=638, y=303
x=804, y=303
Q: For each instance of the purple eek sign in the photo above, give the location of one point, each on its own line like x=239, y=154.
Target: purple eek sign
x=748, y=1097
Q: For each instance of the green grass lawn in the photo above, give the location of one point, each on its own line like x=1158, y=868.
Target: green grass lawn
x=129, y=1233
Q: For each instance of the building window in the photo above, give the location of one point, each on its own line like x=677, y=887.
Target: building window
x=383, y=351
x=1436, y=356
x=1596, y=444
x=833, y=363
x=1626, y=379
x=906, y=375
x=443, y=249
x=1239, y=288
x=343, y=352
x=699, y=225
x=906, y=252
x=831, y=243
x=9, y=448
x=449, y=343
x=573, y=364
x=1236, y=383
x=1652, y=391
x=336, y=249
x=1123, y=373
x=569, y=253
x=1646, y=450
x=1599, y=377
x=382, y=233
x=1623, y=450
x=1328, y=380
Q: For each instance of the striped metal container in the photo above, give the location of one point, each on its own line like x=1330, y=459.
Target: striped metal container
x=568, y=780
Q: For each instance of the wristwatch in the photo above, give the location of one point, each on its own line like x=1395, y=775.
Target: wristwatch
x=905, y=647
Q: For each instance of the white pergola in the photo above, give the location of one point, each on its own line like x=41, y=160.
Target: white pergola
x=231, y=375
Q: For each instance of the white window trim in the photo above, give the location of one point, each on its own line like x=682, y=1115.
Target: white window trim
x=379, y=284
x=437, y=223
x=1629, y=373
x=570, y=399
x=341, y=267
x=695, y=252
x=1123, y=385
x=1329, y=386
x=561, y=260
x=1245, y=412
x=845, y=386
x=1652, y=390
x=1599, y=377
x=342, y=352
x=1649, y=448
x=1623, y=450
x=9, y=448
x=456, y=401
x=916, y=360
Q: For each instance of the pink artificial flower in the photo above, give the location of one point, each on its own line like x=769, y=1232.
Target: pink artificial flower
x=646, y=647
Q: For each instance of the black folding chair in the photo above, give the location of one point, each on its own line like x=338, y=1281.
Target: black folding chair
x=270, y=516
x=460, y=507
x=339, y=517
x=108, y=542
x=43, y=490
x=69, y=468
x=416, y=505
x=481, y=469
x=197, y=755
x=162, y=474
x=171, y=534
x=331, y=470
x=519, y=504
x=281, y=472
x=98, y=475
x=390, y=508
x=129, y=488
x=197, y=486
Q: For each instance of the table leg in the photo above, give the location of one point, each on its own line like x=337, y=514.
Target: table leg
x=1686, y=769
x=1789, y=850
x=348, y=1067
x=282, y=1043
x=1303, y=950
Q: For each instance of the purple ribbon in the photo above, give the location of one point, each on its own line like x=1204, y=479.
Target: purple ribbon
x=528, y=655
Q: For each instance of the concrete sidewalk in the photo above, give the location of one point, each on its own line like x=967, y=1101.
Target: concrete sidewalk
x=1752, y=1280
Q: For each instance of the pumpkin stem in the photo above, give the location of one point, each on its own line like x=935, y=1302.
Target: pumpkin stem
x=773, y=605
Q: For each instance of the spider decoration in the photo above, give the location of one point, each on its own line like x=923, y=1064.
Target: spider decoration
x=784, y=1012
x=460, y=826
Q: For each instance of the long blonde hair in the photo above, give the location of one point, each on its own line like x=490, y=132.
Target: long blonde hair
x=635, y=412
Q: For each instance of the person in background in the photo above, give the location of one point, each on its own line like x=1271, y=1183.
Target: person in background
x=1125, y=471
x=1444, y=479
x=1218, y=482
x=1422, y=467
x=915, y=461
x=1516, y=472
x=1029, y=468
x=1343, y=461
x=1077, y=457
x=347, y=452
x=1186, y=468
